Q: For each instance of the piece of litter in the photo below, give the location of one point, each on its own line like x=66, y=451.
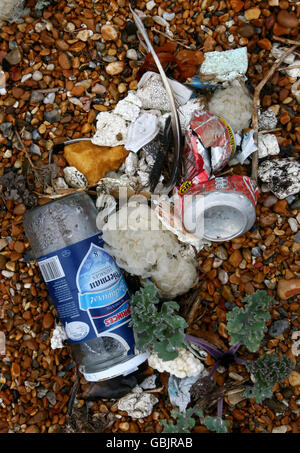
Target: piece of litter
x=142, y=131
x=149, y=382
x=111, y=130
x=234, y=104
x=186, y=111
x=227, y=65
x=267, y=145
x=58, y=337
x=179, y=390
x=129, y=107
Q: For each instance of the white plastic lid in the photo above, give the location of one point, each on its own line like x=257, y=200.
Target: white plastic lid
x=123, y=368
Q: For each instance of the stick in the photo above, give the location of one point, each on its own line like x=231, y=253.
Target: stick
x=171, y=39
x=287, y=68
x=24, y=148
x=49, y=90
x=286, y=41
x=256, y=104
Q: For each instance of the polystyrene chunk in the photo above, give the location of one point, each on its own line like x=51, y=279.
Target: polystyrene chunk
x=227, y=65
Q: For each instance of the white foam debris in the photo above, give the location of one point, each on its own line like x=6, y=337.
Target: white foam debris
x=111, y=130
x=227, y=65
x=234, y=104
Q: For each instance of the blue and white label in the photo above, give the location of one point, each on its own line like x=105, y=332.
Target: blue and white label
x=89, y=292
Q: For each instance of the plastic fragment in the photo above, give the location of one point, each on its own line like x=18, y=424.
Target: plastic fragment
x=141, y=132
x=179, y=390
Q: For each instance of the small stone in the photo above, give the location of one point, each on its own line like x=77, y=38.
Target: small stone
x=270, y=201
x=37, y=76
x=77, y=90
x=110, y=33
x=223, y=276
x=235, y=258
x=252, y=13
x=255, y=251
x=168, y=16
x=33, y=429
x=246, y=30
x=15, y=370
x=278, y=327
x=267, y=219
x=221, y=253
x=98, y=89
x=64, y=61
x=288, y=288
x=294, y=378
x=51, y=397
x=14, y=57
x=84, y=35
x=53, y=116
x=293, y=224
x=297, y=238
x=3, y=243
x=3, y=260
x=36, y=97
x=124, y=426
x=150, y=5
x=287, y=19
x=281, y=207
x=132, y=54
x=114, y=68
x=6, y=129
x=20, y=209
x=48, y=321
x=279, y=429
x=50, y=98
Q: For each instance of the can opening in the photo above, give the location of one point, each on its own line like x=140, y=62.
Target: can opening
x=222, y=223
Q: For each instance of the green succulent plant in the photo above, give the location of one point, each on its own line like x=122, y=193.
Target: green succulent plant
x=162, y=331
x=267, y=371
x=247, y=325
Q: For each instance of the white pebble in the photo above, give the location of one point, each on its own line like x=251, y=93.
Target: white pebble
x=293, y=224
x=132, y=54
x=7, y=154
x=50, y=98
x=150, y=5
x=26, y=77
x=7, y=274
x=37, y=75
x=168, y=16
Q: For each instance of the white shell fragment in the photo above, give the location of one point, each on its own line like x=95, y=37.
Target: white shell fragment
x=267, y=145
x=141, y=132
x=227, y=65
x=111, y=130
x=282, y=176
x=137, y=404
x=74, y=178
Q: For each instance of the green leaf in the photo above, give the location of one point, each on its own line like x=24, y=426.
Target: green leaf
x=246, y=325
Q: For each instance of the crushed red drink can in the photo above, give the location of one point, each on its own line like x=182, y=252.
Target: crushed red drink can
x=219, y=209
x=209, y=145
